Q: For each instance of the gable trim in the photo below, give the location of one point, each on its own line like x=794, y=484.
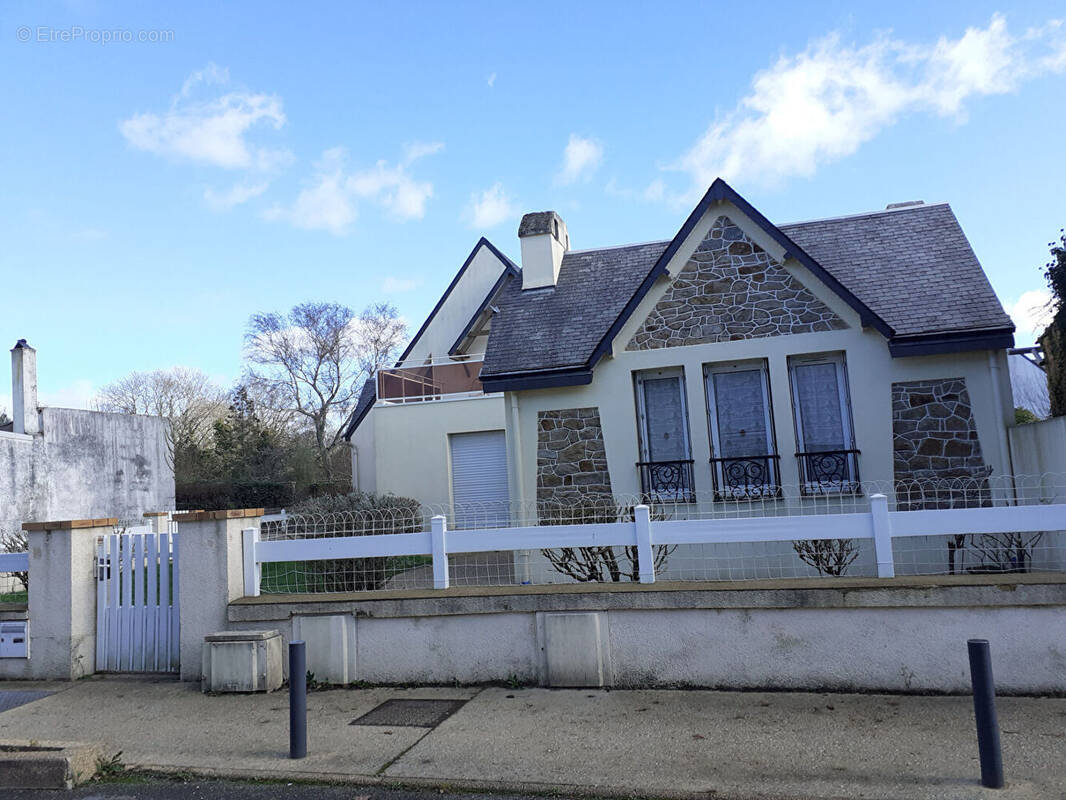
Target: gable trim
x=509, y=269
x=482, y=242
x=511, y=272
x=722, y=191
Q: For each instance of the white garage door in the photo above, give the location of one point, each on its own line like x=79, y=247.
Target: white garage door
x=479, y=479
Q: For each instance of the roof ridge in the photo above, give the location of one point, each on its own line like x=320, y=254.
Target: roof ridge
x=919, y=207
x=619, y=246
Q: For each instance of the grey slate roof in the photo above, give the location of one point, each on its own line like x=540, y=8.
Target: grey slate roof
x=913, y=267
x=560, y=327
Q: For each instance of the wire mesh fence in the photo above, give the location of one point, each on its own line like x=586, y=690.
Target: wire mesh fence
x=715, y=559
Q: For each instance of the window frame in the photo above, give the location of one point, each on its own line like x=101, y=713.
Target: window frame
x=639, y=378
x=711, y=395
x=771, y=485
x=681, y=476
x=837, y=359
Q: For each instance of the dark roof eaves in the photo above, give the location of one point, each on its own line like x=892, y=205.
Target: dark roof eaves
x=925, y=344
x=544, y=379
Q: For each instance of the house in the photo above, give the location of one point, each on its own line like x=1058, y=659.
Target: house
x=738, y=360
x=63, y=463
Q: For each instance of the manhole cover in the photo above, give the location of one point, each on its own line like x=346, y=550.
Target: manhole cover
x=410, y=713
x=9, y=700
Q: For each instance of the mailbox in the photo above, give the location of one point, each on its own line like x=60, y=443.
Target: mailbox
x=14, y=643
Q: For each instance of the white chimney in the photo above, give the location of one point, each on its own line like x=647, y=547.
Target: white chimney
x=544, y=240
x=24, y=388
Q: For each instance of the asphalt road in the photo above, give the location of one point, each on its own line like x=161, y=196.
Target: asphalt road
x=231, y=790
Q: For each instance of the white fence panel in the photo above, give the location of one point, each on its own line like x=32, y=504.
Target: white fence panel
x=137, y=603
x=14, y=562
x=877, y=525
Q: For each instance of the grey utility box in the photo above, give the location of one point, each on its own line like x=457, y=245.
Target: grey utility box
x=242, y=661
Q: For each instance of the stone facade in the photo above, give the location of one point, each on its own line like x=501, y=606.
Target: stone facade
x=937, y=460
x=571, y=457
x=731, y=289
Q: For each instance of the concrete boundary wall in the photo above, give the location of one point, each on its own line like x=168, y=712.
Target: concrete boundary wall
x=904, y=634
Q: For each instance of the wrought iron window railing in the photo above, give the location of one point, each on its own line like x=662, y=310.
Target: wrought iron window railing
x=829, y=471
x=746, y=477
x=667, y=481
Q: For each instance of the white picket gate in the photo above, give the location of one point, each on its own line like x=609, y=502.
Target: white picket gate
x=137, y=622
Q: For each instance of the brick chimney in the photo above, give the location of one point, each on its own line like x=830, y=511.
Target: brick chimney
x=544, y=240
x=24, y=388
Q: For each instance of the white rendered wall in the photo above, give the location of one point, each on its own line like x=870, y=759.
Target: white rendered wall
x=411, y=443
x=870, y=648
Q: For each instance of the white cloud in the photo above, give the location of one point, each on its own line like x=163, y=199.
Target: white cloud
x=393, y=285
x=1031, y=314
x=491, y=80
x=236, y=195
x=330, y=200
x=213, y=130
x=490, y=207
x=580, y=159
x=325, y=203
x=821, y=105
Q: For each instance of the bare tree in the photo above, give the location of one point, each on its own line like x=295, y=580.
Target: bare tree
x=828, y=556
x=187, y=398
x=314, y=359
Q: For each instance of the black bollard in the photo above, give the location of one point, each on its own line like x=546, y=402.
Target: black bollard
x=984, y=709
x=297, y=700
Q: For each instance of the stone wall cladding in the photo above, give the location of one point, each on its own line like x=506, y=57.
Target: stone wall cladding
x=731, y=289
x=571, y=457
x=937, y=459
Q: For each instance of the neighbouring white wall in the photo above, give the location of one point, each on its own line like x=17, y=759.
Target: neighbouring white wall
x=871, y=372
x=85, y=464
x=1039, y=448
x=413, y=458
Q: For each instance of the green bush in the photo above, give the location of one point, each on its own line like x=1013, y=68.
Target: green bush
x=353, y=514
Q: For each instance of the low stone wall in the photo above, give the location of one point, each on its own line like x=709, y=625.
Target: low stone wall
x=903, y=634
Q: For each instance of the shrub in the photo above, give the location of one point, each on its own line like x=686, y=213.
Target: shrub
x=353, y=514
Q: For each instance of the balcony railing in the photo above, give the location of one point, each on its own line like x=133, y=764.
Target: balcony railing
x=829, y=472
x=422, y=382
x=667, y=481
x=746, y=477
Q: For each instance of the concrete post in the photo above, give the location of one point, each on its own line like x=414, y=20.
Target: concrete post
x=882, y=530
x=211, y=576
x=159, y=520
x=62, y=597
x=24, y=389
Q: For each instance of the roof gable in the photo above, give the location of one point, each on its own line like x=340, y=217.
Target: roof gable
x=555, y=336
x=369, y=392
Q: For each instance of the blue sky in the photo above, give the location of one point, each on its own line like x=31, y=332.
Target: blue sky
x=249, y=156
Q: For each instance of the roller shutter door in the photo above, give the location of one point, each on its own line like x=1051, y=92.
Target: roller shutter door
x=479, y=479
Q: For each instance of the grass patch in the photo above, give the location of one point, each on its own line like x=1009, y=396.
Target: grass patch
x=293, y=577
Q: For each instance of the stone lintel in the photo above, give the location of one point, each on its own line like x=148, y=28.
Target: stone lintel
x=70, y=524
x=208, y=516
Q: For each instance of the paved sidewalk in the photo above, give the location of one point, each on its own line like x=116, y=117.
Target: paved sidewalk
x=648, y=743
